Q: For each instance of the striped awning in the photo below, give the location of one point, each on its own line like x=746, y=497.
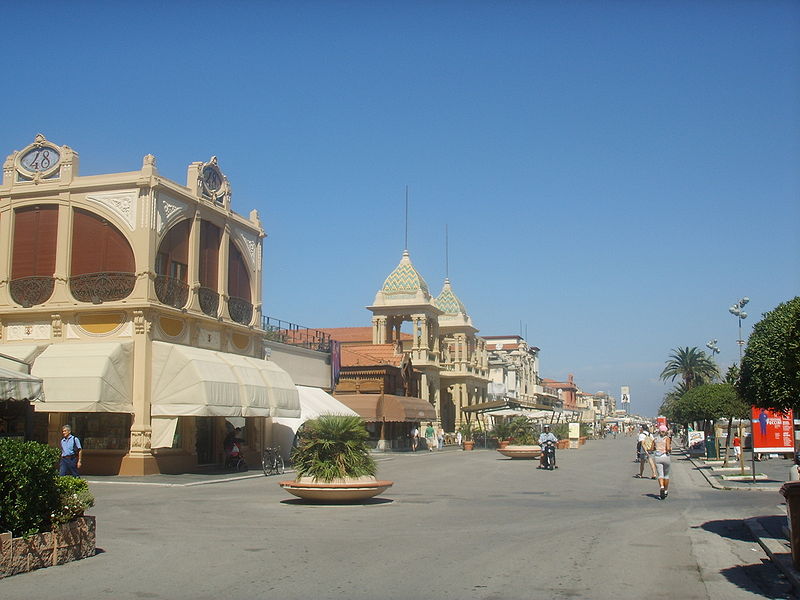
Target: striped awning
x=19, y=386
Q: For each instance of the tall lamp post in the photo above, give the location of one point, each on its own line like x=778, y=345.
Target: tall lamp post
x=712, y=345
x=736, y=311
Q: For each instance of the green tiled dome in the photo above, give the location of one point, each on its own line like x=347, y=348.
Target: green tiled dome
x=405, y=279
x=449, y=302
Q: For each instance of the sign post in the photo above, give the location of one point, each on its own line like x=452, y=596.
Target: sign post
x=773, y=431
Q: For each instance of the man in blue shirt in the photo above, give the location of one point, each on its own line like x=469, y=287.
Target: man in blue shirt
x=70, y=453
x=545, y=436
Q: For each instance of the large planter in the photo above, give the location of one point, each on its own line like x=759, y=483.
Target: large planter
x=469, y=445
x=503, y=444
x=562, y=444
x=338, y=491
x=72, y=541
x=528, y=452
x=791, y=491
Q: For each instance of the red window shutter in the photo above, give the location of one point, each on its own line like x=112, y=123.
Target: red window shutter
x=209, y=254
x=98, y=246
x=238, y=277
x=35, y=241
x=174, y=248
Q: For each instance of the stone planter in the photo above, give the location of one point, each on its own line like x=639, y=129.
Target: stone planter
x=503, y=444
x=528, y=452
x=469, y=445
x=72, y=541
x=338, y=491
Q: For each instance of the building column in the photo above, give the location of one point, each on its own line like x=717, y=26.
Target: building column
x=222, y=272
x=140, y=459
x=61, y=291
x=193, y=276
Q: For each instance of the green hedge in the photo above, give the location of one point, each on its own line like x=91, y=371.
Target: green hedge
x=33, y=497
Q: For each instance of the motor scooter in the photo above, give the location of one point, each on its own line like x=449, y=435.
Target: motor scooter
x=549, y=455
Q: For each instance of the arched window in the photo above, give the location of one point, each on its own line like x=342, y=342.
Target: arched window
x=172, y=260
x=103, y=265
x=33, y=259
x=239, y=302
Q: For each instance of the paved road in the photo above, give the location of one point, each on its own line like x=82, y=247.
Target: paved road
x=455, y=525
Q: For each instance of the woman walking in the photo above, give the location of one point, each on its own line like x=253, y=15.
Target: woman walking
x=663, y=446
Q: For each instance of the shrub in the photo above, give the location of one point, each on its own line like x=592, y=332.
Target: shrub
x=29, y=491
x=333, y=447
x=74, y=497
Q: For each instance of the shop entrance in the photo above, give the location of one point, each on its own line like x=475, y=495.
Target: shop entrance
x=16, y=419
x=204, y=444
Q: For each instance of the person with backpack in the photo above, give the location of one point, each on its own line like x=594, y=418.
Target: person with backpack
x=645, y=447
x=70, y=453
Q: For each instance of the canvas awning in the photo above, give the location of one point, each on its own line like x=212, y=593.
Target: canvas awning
x=80, y=377
x=19, y=386
x=388, y=407
x=190, y=381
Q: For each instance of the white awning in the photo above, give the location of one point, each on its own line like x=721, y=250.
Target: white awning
x=81, y=377
x=191, y=381
x=314, y=402
x=19, y=386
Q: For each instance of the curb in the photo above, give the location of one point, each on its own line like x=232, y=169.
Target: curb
x=716, y=485
x=777, y=551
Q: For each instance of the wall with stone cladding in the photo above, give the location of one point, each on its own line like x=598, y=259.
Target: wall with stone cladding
x=71, y=541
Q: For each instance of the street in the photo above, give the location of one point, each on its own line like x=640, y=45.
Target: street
x=455, y=525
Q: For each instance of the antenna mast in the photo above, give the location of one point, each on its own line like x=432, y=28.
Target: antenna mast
x=446, y=253
x=406, y=238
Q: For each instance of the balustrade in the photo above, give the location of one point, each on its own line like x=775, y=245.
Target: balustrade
x=240, y=310
x=102, y=287
x=29, y=291
x=209, y=301
x=171, y=291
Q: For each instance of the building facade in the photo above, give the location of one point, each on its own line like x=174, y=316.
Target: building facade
x=137, y=300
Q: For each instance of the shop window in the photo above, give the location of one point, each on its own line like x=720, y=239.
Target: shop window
x=33, y=254
x=102, y=431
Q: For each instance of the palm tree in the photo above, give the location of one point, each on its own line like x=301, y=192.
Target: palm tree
x=693, y=366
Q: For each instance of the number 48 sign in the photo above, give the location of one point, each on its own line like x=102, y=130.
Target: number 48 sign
x=773, y=431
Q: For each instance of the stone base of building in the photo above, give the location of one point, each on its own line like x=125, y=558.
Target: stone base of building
x=138, y=465
x=72, y=541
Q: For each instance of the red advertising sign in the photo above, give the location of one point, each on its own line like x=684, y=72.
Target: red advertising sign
x=772, y=431
x=661, y=421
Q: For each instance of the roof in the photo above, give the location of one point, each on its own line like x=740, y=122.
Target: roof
x=348, y=335
x=371, y=354
x=448, y=302
x=405, y=279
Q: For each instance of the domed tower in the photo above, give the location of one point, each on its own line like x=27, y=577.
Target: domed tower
x=404, y=296
x=464, y=374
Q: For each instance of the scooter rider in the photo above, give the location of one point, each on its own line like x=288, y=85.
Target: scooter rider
x=545, y=436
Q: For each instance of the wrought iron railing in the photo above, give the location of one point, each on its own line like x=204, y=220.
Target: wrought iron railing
x=29, y=291
x=102, y=287
x=171, y=291
x=296, y=335
x=209, y=301
x=240, y=310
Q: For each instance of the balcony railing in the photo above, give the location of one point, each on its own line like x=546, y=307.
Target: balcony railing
x=29, y=291
x=296, y=335
x=171, y=291
x=102, y=287
x=240, y=310
x=209, y=301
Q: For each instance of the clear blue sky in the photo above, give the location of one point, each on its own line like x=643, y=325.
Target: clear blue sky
x=614, y=175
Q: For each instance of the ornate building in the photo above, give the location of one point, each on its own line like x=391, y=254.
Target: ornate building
x=442, y=347
x=137, y=300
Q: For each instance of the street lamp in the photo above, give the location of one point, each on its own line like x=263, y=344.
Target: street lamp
x=737, y=311
x=712, y=345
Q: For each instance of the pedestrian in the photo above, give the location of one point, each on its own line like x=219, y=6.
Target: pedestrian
x=458, y=438
x=663, y=446
x=71, y=450
x=440, y=437
x=430, y=437
x=414, y=438
x=737, y=447
x=644, y=449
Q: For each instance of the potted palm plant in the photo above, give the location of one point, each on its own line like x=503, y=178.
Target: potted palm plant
x=467, y=430
x=523, y=445
x=502, y=431
x=333, y=462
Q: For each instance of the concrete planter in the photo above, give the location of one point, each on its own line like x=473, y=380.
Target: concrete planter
x=338, y=491
x=72, y=541
x=791, y=491
x=528, y=452
x=468, y=445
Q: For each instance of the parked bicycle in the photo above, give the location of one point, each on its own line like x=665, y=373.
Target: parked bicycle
x=272, y=461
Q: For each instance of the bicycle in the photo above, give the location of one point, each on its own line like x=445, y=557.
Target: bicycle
x=236, y=462
x=272, y=462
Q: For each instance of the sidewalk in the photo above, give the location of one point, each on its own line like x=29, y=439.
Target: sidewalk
x=771, y=532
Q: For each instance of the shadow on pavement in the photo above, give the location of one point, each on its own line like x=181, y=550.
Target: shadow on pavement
x=759, y=579
x=368, y=502
x=732, y=529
